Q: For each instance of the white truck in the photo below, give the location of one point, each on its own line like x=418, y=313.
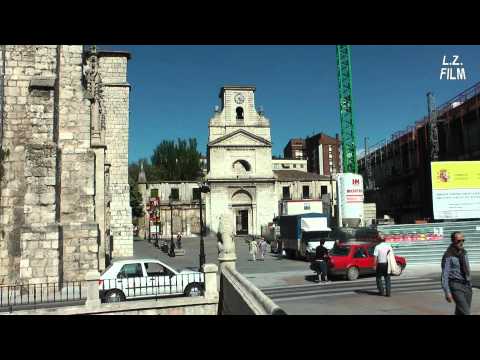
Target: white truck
x=300, y=235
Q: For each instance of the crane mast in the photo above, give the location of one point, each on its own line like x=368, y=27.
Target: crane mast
x=344, y=73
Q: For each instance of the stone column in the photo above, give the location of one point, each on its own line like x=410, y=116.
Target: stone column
x=100, y=201
x=115, y=107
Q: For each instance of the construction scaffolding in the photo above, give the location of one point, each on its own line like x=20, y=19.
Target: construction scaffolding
x=400, y=166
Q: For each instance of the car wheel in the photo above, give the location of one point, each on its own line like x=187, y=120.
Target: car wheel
x=114, y=296
x=352, y=273
x=194, y=289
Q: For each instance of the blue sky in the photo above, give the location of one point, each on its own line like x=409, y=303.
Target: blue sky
x=175, y=88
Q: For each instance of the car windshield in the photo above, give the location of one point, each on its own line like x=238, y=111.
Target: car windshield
x=315, y=235
x=340, y=251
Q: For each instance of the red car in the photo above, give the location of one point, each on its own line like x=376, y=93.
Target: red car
x=353, y=259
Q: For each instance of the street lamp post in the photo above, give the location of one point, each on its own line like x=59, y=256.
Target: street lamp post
x=203, y=189
x=172, y=244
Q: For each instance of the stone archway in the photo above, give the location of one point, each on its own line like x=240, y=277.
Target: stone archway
x=242, y=210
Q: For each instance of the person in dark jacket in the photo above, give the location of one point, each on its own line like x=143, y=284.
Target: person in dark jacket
x=456, y=281
x=321, y=256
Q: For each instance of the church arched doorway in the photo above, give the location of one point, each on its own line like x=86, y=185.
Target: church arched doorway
x=242, y=209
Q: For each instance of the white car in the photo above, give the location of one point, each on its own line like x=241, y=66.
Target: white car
x=144, y=278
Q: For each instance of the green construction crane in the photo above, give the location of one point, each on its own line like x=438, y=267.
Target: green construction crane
x=344, y=72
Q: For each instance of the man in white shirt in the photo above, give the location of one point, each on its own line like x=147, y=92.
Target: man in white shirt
x=381, y=265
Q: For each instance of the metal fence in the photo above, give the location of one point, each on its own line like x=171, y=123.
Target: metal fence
x=26, y=296
x=121, y=289
x=431, y=252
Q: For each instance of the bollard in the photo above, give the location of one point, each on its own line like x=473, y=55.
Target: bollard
x=210, y=273
x=93, y=298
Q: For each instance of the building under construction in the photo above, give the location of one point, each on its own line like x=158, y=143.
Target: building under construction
x=397, y=171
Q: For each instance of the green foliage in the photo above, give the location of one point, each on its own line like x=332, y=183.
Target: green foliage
x=136, y=202
x=170, y=162
x=175, y=161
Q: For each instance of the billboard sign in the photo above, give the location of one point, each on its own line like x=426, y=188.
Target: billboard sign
x=456, y=189
x=350, y=196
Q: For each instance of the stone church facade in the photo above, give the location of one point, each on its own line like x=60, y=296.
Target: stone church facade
x=243, y=181
x=239, y=152
x=64, y=196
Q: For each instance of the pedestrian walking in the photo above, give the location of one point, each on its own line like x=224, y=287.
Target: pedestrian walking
x=321, y=257
x=262, y=248
x=220, y=245
x=253, y=249
x=179, y=240
x=456, y=281
x=381, y=254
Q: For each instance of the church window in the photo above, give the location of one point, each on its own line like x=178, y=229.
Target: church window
x=196, y=194
x=239, y=111
x=174, y=194
x=306, y=192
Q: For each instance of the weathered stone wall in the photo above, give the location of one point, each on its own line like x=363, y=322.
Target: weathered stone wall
x=80, y=250
x=57, y=182
x=48, y=220
x=40, y=254
x=116, y=91
x=77, y=169
x=28, y=136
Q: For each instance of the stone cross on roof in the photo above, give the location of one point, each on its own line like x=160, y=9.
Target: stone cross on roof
x=142, y=177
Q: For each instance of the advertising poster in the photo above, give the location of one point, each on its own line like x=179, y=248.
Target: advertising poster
x=350, y=195
x=407, y=236
x=456, y=189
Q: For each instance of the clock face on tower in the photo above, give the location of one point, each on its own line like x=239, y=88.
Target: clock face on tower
x=239, y=98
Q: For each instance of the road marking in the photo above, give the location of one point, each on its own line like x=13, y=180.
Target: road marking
x=321, y=291
x=345, y=284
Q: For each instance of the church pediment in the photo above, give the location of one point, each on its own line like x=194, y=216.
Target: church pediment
x=240, y=138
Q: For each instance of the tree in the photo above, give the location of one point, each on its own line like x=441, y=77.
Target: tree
x=135, y=196
x=170, y=162
x=176, y=161
x=136, y=202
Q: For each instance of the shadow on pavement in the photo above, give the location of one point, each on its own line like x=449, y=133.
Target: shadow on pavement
x=311, y=278
x=368, y=292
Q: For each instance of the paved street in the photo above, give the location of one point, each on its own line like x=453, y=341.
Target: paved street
x=410, y=296
x=272, y=263
x=290, y=284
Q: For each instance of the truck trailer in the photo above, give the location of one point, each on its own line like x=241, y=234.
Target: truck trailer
x=301, y=234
